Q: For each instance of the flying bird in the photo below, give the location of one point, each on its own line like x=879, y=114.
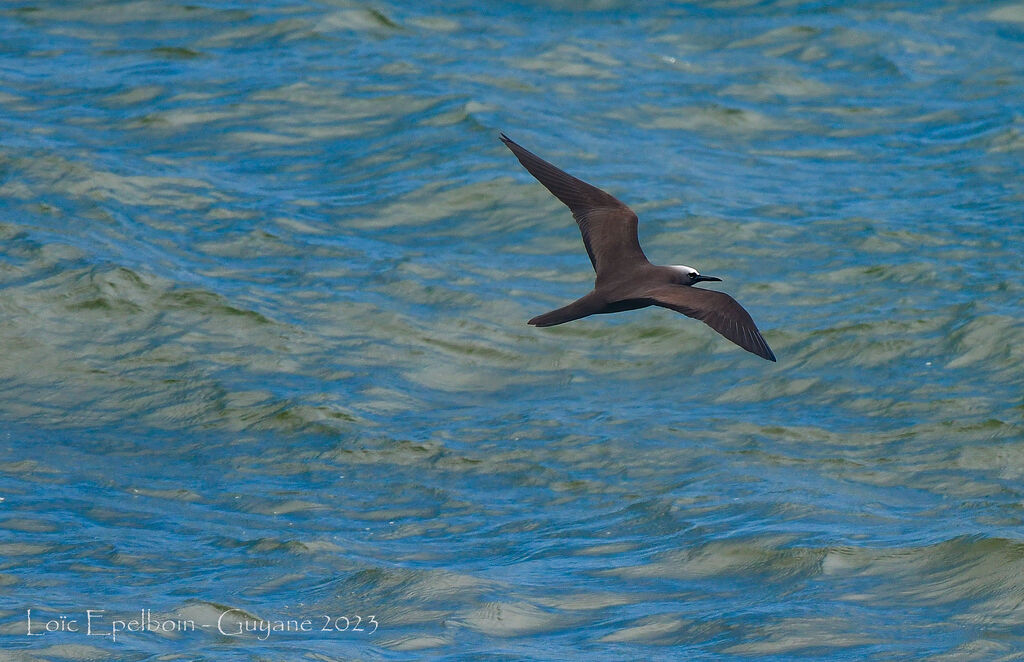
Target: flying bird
x=626, y=280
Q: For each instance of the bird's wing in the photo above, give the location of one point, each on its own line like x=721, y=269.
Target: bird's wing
x=716, y=309
x=608, y=226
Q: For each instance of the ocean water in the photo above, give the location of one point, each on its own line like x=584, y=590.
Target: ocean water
x=267, y=389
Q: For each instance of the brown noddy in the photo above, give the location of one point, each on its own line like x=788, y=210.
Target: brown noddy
x=626, y=280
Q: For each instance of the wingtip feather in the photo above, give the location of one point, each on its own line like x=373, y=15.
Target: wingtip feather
x=766, y=351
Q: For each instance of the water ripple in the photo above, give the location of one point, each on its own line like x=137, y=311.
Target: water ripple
x=264, y=286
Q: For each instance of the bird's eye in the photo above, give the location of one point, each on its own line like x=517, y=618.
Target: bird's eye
x=693, y=275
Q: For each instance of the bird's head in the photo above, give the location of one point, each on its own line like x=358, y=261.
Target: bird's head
x=689, y=275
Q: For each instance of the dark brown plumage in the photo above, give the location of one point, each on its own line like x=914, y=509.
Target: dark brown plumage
x=626, y=280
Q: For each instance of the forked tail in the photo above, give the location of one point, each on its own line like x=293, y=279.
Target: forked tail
x=582, y=307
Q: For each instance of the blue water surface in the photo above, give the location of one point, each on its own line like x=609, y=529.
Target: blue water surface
x=268, y=391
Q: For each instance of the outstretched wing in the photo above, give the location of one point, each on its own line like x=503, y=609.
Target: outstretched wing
x=716, y=309
x=608, y=226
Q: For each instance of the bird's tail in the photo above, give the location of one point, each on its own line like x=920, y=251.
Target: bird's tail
x=583, y=307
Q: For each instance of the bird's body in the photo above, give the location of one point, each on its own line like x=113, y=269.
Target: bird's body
x=625, y=278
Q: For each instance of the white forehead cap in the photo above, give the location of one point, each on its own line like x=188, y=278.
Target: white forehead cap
x=685, y=269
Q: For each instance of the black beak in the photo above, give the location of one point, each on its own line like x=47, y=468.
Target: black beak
x=700, y=278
